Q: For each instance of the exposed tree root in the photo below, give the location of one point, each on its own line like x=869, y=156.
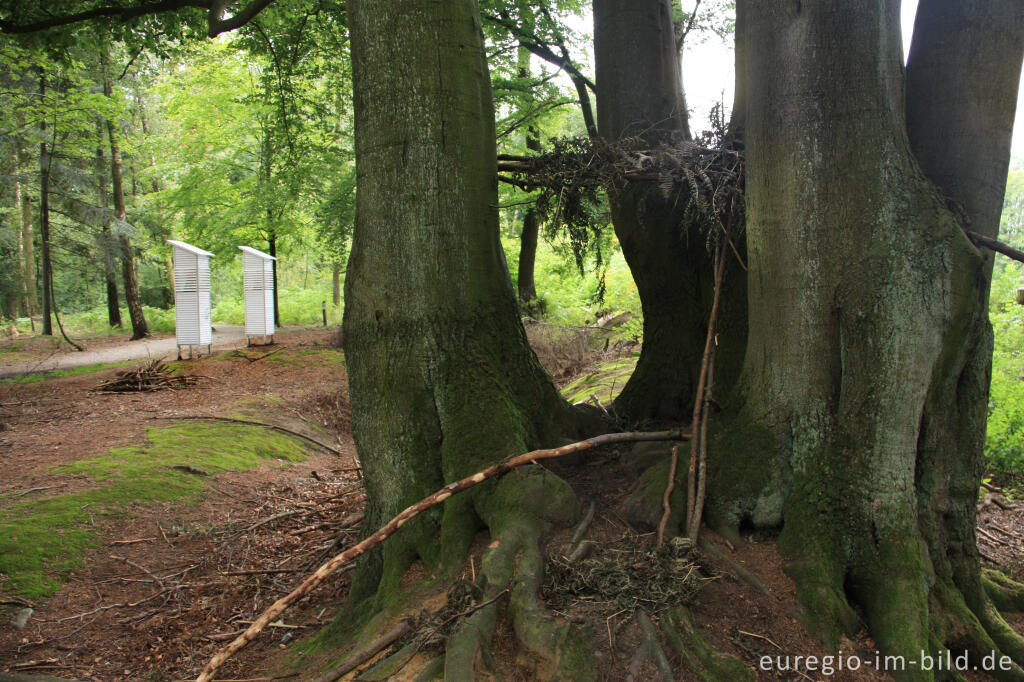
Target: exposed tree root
x=501, y=508
x=700, y=658
x=1006, y=594
x=736, y=568
x=653, y=646
x=368, y=652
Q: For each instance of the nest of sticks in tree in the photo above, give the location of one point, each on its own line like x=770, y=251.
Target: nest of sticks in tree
x=707, y=181
x=155, y=375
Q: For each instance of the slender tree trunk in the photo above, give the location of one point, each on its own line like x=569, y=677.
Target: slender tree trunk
x=272, y=250
x=155, y=183
x=128, y=267
x=336, y=284
x=442, y=380
x=44, y=218
x=28, y=243
x=20, y=290
x=863, y=386
x=528, y=259
x=110, y=246
x=531, y=220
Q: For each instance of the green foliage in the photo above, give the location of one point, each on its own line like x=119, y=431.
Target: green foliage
x=42, y=541
x=93, y=322
x=572, y=298
x=301, y=307
x=1005, y=439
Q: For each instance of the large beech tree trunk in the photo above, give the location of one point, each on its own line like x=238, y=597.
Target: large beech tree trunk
x=442, y=380
x=640, y=96
x=865, y=378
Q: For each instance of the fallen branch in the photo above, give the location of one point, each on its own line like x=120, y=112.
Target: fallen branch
x=471, y=610
x=371, y=650
x=32, y=490
x=263, y=571
x=265, y=355
x=275, y=517
x=740, y=571
x=701, y=405
x=322, y=573
x=666, y=506
x=275, y=427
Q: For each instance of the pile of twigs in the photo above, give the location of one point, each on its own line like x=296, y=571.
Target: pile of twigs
x=655, y=578
x=155, y=375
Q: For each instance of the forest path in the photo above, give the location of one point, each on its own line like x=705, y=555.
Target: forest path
x=225, y=337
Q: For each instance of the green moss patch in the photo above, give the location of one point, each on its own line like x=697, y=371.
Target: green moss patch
x=298, y=357
x=43, y=540
x=60, y=373
x=605, y=382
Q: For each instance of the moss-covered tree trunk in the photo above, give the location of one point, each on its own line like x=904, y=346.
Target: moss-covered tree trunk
x=866, y=371
x=640, y=96
x=442, y=380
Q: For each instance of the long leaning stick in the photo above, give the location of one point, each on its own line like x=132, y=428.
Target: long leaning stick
x=322, y=573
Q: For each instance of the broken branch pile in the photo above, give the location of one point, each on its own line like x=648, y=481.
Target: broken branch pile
x=155, y=375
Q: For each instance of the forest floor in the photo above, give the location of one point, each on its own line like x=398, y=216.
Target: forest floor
x=142, y=540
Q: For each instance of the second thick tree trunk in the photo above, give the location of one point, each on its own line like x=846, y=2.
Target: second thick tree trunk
x=864, y=373
x=442, y=380
x=640, y=97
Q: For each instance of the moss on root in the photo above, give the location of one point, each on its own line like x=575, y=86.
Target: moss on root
x=741, y=486
x=1006, y=594
x=644, y=505
x=704, y=661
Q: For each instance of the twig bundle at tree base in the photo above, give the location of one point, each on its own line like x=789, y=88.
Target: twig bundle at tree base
x=389, y=529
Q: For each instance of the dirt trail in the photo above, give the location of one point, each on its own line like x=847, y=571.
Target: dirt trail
x=225, y=337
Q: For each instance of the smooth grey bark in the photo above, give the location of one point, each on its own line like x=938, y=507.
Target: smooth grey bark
x=640, y=98
x=962, y=82
x=863, y=384
x=441, y=378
